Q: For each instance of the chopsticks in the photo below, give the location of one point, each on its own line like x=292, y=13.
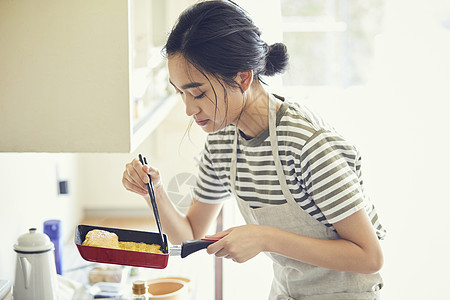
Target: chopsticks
x=143, y=161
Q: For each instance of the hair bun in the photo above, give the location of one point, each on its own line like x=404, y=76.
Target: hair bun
x=277, y=59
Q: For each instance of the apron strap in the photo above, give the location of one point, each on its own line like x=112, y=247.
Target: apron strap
x=274, y=145
x=233, y=165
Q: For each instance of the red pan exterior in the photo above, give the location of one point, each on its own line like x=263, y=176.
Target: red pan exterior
x=122, y=257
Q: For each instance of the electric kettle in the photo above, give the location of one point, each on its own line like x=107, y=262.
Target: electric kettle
x=35, y=267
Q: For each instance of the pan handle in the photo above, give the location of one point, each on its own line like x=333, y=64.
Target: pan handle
x=189, y=247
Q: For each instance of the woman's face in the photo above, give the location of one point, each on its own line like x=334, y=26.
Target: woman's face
x=199, y=94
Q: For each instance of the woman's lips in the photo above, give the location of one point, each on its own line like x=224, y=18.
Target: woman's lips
x=202, y=122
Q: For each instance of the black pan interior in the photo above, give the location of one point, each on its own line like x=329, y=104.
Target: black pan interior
x=124, y=235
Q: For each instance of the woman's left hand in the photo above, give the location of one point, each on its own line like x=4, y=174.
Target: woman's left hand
x=239, y=243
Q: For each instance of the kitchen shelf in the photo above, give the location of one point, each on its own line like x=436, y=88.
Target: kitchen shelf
x=69, y=74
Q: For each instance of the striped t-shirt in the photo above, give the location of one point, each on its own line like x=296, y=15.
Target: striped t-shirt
x=323, y=171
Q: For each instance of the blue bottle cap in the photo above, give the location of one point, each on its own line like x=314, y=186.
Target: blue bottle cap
x=52, y=228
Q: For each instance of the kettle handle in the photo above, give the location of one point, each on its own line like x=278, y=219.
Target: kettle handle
x=26, y=269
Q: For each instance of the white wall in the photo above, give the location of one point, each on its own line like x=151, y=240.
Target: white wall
x=412, y=94
x=413, y=86
x=28, y=197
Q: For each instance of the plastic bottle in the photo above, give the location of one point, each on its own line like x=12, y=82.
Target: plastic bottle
x=52, y=228
x=139, y=290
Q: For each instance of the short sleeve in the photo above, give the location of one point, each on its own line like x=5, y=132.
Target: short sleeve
x=209, y=187
x=329, y=170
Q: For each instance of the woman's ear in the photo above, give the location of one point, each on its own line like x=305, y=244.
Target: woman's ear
x=244, y=79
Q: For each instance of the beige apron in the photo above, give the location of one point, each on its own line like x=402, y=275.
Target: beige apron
x=294, y=279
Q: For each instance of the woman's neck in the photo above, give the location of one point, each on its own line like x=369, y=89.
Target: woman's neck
x=255, y=116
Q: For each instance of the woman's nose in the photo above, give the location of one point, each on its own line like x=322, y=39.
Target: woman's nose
x=191, y=107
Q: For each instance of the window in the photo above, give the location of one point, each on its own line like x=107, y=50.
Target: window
x=330, y=42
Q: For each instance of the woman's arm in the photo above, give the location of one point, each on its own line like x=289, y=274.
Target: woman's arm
x=358, y=249
x=177, y=226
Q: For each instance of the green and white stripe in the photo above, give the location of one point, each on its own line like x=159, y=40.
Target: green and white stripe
x=323, y=171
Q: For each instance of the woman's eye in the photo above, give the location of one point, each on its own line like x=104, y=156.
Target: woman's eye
x=200, y=96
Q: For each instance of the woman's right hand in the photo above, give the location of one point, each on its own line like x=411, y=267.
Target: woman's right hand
x=135, y=177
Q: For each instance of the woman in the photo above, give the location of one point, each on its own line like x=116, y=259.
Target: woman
x=296, y=181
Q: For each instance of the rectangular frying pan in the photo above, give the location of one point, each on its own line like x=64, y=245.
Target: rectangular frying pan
x=134, y=258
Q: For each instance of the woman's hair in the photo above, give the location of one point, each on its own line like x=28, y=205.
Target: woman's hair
x=219, y=38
